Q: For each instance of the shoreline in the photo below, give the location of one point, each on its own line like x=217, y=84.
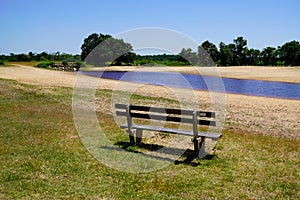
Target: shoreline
x=274, y=74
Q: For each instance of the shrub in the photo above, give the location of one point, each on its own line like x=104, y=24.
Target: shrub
x=79, y=63
x=1, y=62
x=45, y=64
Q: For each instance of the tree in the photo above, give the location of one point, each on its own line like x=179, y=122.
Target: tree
x=100, y=50
x=91, y=42
x=252, y=57
x=190, y=57
x=211, y=50
x=268, y=56
x=43, y=56
x=226, y=54
x=127, y=58
x=31, y=55
x=289, y=53
x=240, y=50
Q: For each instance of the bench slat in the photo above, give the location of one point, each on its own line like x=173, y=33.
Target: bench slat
x=156, y=109
x=167, y=118
x=174, y=131
x=166, y=110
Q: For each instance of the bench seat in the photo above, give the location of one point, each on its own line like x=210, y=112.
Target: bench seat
x=171, y=130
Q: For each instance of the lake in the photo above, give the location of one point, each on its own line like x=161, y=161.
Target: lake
x=197, y=82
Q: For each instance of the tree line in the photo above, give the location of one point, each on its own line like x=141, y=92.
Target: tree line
x=233, y=54
x=44, y=56
x=114, y=51
x=238, y=54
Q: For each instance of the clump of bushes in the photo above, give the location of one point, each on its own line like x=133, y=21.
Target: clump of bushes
x=64, y=63
x=79, y=63
x=63, y=66
x=45, y=64
x=1, y=62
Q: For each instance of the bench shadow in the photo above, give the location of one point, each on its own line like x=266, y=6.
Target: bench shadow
x=149, y=147
x=187, y=158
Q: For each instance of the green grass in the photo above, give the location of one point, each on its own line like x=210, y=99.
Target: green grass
x=42, y=157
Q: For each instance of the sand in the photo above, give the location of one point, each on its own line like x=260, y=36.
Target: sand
x=247, y=114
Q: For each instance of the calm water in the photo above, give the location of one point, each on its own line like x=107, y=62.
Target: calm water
x=196, y=82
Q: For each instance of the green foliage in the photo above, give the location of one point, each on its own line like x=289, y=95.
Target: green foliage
x=1, y=62
x=91, y=42
x=79, y=63
x=101, y=50
x=44, y=56
x=240, y=49
x=289, y=53
x=211, y=50
x=253, y=57
x=45, y=64
x=64, y=62
x=269, y=56
x=174, y=63
x=160, y=60
x=125, y=59
x=226, y=54
x=237, y=53
x=190, y=57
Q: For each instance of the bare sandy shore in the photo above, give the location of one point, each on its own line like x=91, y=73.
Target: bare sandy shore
x=250, y=114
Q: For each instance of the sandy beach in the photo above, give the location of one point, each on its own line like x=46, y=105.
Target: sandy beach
x=248, y=114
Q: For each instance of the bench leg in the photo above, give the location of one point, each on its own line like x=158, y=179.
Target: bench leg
x=131, y=137
x=196, y=146
x=202, y=152
x=139, y=136
x=199, y=147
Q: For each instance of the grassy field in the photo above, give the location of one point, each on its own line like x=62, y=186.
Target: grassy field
x=42, y=157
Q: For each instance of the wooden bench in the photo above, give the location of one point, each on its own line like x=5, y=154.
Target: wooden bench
x=195, y=118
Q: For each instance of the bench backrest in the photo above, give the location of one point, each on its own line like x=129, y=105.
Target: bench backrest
x=167, y=114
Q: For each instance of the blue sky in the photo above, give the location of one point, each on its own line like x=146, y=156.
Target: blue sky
x=62, y=25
